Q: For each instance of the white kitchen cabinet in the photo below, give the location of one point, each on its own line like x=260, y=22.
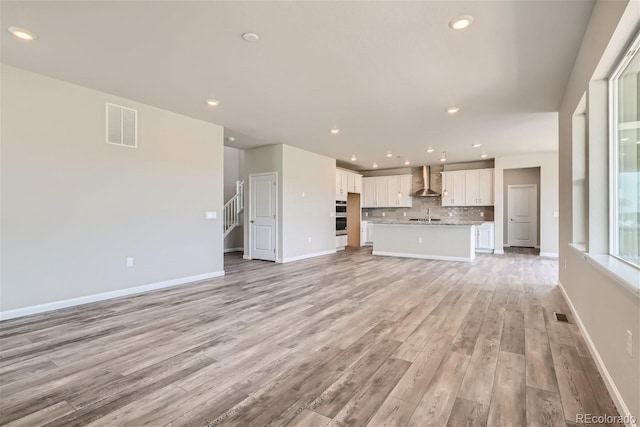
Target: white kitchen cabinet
x=364, y=233
x=479, y=187
x=453, y=188
x=341, y=184
x=485, y=237
x=341, y=242
x=347, y=182
x=387, y=191
x=467, y=188
x=382, y=192
x=369, y=233
x=354, y=183
x=369, y=192
x=399, y=190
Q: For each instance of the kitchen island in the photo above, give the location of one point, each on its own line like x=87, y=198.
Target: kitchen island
x=428, y=240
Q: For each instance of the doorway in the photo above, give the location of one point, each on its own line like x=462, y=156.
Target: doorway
x=263, y=216
x=522, y=212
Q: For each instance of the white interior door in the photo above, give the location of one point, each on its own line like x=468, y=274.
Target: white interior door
x=263, y=216
x=523, y=215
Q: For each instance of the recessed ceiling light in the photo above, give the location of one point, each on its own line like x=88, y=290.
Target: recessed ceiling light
x=250, y=37
x=22, y=34
x=624, y=139
x=461, y=22
x=334, y=131
x=213, y=102
x=375, y=165
x=483, y=155
x=354, y=158
x=407, y=162
x=231, y=138
x=453, y=110
x=430, y=149
x=476, y=145
x=389, y=154
x=444, y=156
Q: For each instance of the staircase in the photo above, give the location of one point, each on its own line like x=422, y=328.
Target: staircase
x=233, y=208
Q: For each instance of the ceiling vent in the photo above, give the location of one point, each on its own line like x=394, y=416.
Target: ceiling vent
x=122, y=126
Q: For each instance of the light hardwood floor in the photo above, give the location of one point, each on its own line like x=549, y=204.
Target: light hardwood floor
x=341, y=340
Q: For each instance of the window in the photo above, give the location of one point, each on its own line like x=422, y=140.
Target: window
x=624, y=90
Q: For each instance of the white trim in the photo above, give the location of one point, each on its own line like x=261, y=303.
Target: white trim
x=306, y=256
x=227, y=250
x=420, y=256
x=245, y=256
x=549, y=254
x=56, y=305
x=608, y=381
x=484, y=251
x=498, y=252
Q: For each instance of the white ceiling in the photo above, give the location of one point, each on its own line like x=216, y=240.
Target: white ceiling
x=383, y=72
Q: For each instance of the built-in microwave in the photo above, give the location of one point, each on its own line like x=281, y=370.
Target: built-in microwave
x=341, y=208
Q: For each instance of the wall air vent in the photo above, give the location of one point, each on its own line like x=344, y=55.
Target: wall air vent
x=122, y=125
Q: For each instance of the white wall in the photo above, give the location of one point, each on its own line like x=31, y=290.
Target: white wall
x=605, y=308
x=263, y=159
x=74, y=208
x=233, y=171
x=307, y=216
x=519, y=177
x=548, y=164
x=298, y=217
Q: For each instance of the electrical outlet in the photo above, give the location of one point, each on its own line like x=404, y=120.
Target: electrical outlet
x=384, y=214
x=309, y=239
x=303, y=194
x=211, y=215
x=366, y=214
x=130, y=262
x=629, y=343
x=450, y=214
x=481, y=213
x=419, y=239
x=404, y=213
x=332, y=214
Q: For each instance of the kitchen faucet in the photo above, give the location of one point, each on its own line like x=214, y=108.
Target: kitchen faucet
x=429, y=214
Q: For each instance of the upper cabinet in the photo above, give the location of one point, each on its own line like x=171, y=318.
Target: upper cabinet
x=347, y=182
x=468, y=188
x=387, y=191
x=479, y=187
x=453, y=188
x=354, y=183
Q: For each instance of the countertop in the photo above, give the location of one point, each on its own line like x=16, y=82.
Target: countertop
x=407, y=222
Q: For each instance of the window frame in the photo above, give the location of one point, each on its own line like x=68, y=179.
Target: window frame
x=626, y=57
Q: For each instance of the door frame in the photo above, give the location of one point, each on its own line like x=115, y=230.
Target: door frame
x=534, y=187
x=252, y=176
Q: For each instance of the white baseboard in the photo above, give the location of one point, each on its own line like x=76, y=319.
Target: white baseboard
x=56, y=305
x=498, y=252
x=227, y=250
x=306, y=256
x=549, y=254
x=608, y=381
x=419, y=256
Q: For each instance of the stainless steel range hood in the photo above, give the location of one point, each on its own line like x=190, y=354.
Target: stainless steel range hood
x=426, y=190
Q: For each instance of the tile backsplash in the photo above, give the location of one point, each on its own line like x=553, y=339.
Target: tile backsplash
x=419, y=210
